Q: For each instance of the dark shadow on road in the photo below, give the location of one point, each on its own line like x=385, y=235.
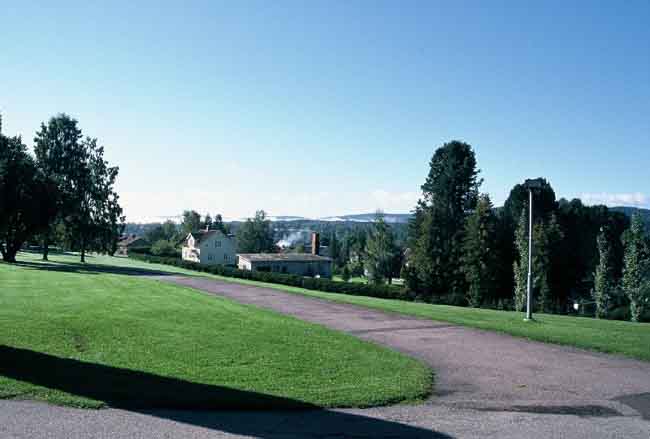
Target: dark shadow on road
x=188, y=402
x=639, y=402
x=587, y=411
x=89, y=268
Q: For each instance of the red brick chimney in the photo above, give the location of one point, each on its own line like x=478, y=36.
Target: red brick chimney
x=315, y=243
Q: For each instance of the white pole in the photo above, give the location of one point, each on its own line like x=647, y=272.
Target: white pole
x=529, y=298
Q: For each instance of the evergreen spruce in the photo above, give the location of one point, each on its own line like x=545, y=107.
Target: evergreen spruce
x=480, y=259
x=380, y=252
x=449, y=194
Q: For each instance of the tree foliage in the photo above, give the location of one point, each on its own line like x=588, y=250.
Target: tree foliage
x=167, y=231
x=88, y=207
x=61, y=158
x=603, y=277
x=380, y=252
x=163, y=247
x=521, y=263
x=99, y=211
x=636, y=271
x=335, y=248
x=256, y=235
x=27, y=197
x=217, y=224
x=547, y=236
x=449, y=193
x=191, y=222
x=544, y=204
x=480, y=258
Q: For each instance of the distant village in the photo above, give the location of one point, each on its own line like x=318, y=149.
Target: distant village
x=214, y=247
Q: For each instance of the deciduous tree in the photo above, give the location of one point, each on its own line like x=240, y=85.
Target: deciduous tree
x=97, y=218
x=603, y=277
x=521, y=263
x=636, y=268
x=546, y=238
x=27, y=198
x=191, y=222
x=256, y=235
x=380, y=252
x=62, y=159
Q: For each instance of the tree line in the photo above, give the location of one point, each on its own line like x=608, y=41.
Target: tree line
x=61, y=195
x=255, y=235
x=462, y=250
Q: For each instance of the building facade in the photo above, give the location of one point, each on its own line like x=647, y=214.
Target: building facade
x=300, y=264
x=209, y=247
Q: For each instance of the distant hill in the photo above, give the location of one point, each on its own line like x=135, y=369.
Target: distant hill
x=394, y=218
x=403, y=218
x=370, y=217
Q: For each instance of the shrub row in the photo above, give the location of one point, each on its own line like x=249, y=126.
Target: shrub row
x=310, y=283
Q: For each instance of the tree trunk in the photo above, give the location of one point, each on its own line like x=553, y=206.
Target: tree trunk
x=9, y=254
x=46, y=245
x=635, y=310
x=9, y=257
x=83, y=248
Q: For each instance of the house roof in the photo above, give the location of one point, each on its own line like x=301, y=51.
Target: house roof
x=283, y=257
x=201, y=235
x=128, y=240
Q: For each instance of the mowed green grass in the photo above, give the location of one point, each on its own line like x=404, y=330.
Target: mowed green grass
x=87, y=337
x=354, y=279
x=609, y=336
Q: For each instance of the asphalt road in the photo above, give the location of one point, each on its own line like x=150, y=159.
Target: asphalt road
x=487, y=385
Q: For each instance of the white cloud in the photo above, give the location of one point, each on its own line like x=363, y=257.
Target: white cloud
x=635, y=199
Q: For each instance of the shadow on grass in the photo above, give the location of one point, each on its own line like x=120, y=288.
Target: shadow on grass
x=172, y=398
x=88, y=268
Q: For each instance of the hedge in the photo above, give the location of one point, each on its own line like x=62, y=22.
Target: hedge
x=309, y=283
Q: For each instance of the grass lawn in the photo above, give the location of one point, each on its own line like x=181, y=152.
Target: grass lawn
x=616, y=337
x=354, y=279
x=363, y=280
x=95, y=335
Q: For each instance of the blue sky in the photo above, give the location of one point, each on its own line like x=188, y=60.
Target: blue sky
x=325, y=108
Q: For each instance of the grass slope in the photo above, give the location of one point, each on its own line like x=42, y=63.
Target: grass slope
x=609, y=336
x=88, y=337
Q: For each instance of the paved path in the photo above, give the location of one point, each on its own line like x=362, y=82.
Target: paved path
x=474, y=368
x=487, y=385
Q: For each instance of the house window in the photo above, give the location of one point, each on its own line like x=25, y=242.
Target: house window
x=225, y=257
x=217, y=243
x=209, y=257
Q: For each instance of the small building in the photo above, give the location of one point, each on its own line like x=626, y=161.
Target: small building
x=131, y=242
x=209, y=247
x=301, y=264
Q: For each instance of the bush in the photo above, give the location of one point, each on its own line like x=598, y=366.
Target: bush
x=163, y=247
x=310, y=283
x=345, y=275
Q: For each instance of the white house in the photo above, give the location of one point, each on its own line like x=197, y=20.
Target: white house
x=209, y=247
